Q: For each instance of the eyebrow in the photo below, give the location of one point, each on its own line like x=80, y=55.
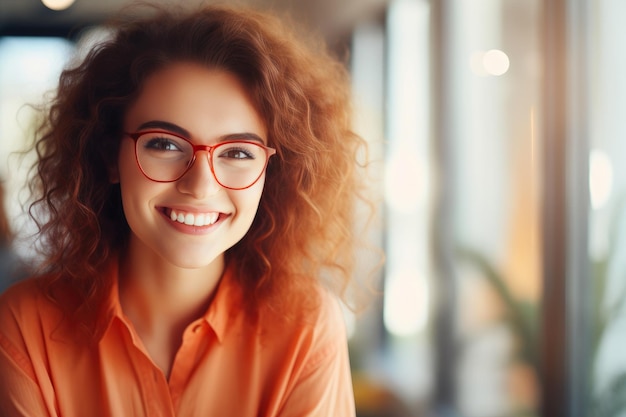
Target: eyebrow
x=171, y=127
x=159, y=124
x=243, y=136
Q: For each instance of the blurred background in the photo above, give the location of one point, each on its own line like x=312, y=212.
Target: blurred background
x=496, y=130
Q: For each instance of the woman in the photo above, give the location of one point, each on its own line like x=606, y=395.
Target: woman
x=196, y=179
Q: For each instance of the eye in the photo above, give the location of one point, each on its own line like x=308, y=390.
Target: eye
x=162, y=144
x=237, y=152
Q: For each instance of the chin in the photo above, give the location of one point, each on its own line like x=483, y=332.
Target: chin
x=194, y=261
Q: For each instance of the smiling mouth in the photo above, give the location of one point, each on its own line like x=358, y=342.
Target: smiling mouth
x=192, y=219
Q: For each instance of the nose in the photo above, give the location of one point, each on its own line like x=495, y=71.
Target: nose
x=199, y=180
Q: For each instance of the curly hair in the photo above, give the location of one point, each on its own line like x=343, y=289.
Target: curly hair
x=303, y=227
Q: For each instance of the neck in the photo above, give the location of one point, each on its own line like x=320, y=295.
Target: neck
x=156, y=294
x=161, y=299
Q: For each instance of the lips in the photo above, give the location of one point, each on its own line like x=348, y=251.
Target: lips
x=193, y=219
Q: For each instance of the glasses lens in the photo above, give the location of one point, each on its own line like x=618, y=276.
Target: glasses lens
x=163, y=157
x=238, y=164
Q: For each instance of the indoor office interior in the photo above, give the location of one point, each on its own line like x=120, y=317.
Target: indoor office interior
x=496, y=132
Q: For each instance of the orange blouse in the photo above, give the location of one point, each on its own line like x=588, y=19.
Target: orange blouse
x=227, y=365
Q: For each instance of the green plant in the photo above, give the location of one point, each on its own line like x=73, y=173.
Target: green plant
x=520, y=316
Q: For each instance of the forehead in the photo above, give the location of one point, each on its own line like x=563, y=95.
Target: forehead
x=198, y=98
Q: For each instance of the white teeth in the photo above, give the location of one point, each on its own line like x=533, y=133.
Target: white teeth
x=200, y=219
x=211, y=218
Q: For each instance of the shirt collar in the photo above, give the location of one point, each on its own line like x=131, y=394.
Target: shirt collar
x=226, y=304
x=110, y=305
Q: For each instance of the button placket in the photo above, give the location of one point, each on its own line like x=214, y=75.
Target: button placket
x=185, y=360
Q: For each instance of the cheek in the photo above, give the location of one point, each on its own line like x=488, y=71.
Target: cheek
x=133, y=184
x=129, y=174
x=256, y=192
x=247, y=201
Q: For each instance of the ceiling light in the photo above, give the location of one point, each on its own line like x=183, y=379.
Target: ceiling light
x=495, y=62
x=57, y=4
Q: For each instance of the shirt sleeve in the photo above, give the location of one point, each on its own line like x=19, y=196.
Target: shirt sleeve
x=324, y=388
x=20, y=395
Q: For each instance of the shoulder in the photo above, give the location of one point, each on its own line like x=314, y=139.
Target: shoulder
x=327, y=328
x=311, y=349
x=317, y=310
x=23, y=299
x=304, y=321
x=319, y=327
x=26, y=313
x=329, y=323
x=327, y=316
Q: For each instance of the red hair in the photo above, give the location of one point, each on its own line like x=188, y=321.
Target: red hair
x=303, y=229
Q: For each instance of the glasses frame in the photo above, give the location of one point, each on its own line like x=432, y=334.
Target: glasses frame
x=198, y=148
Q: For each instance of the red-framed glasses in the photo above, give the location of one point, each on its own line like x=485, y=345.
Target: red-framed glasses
x=165, y=157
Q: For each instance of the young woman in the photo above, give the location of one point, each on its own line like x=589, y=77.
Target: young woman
x=195, y=180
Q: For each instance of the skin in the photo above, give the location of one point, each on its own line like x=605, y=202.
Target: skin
x=170, y=272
